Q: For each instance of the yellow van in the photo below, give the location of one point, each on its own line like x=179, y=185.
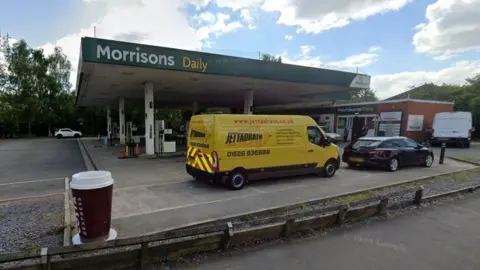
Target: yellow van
x=233, y=149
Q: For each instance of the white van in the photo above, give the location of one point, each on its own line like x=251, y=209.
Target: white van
x=453, y=127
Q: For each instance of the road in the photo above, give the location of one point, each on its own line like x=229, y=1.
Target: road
x=153, y=195
x=30, y=167
x=441, y=237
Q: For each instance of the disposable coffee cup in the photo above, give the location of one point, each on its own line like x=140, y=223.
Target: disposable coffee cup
x=92, y=197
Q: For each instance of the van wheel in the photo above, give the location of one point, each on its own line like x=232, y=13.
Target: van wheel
x=467, y=145
x=330, y=168
x=236, y=180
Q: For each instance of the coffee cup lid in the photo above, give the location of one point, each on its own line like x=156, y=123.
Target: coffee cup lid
x=91, y=180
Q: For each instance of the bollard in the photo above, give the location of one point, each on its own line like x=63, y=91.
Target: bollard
x=442, y=153
x=418, y=196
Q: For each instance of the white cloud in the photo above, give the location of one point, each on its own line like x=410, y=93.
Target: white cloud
x=357, y=60
x=312, y=16
x=197, y=3
x=247, y=17
x=205, y=17
x=288, y=37
x=306, y=49
x=219, y=27
x=375, y=49
x=317, y=16
x=311, y=61
x=11, y=41
x=209, y=44
x=353, y=61
x=391, y=84
x=452, y=27
x=303, y=59
x=155, y=22
x=237, y=4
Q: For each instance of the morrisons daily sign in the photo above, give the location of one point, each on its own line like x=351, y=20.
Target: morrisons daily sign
x=137, y=56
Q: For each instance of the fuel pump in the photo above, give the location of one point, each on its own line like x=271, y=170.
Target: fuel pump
x=161, y=134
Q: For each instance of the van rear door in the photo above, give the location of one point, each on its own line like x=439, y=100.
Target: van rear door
x=200, y=142
x=451, y=127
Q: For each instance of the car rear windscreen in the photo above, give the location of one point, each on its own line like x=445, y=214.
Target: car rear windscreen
x=366, y=143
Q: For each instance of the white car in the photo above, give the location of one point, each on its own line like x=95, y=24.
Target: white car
x=67, y=133
x=334, y=137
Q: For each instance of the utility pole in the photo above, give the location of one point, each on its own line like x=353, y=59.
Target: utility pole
x=94, y=31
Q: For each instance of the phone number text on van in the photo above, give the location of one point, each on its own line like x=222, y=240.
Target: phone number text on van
x=248, y=153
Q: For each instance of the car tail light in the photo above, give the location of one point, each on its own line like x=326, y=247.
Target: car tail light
x=215, y=162
x=376, y=152
x=347, y=150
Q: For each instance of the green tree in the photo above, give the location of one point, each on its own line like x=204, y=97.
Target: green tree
x=363, y=95
x=271, y=58
x=35, y=89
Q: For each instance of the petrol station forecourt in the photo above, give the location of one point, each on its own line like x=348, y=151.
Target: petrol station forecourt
x=112, y=74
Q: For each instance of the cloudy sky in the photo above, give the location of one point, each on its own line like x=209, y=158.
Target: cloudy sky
x=401, y=43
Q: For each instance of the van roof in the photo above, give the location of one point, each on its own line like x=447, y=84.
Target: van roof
x=255, y=115
x=469, y=114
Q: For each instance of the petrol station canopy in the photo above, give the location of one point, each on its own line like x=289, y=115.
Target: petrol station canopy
x=111, y=69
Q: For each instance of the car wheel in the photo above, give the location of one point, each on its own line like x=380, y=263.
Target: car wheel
x=76, y=135
x=392, y=165
x=330, y=168
x=428, y=161
x=236, y=180
x=59, y=136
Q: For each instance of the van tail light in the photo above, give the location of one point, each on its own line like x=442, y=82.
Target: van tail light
x=470, y=131
x=215, y=162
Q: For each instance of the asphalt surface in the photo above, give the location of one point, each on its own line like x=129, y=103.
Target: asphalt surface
x=441, y=237
x=31, y=167
x=153, y=195
x=470, y=154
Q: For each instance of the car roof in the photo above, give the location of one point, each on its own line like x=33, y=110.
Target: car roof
x=374, y=138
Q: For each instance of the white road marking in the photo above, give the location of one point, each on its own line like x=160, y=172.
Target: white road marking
x=204, y=203
x=256, y=189
x=154, y=185
x=33, y=181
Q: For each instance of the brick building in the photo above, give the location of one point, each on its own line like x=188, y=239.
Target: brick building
x=403, y=117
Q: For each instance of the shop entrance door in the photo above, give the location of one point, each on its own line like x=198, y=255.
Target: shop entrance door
x=345, y=124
